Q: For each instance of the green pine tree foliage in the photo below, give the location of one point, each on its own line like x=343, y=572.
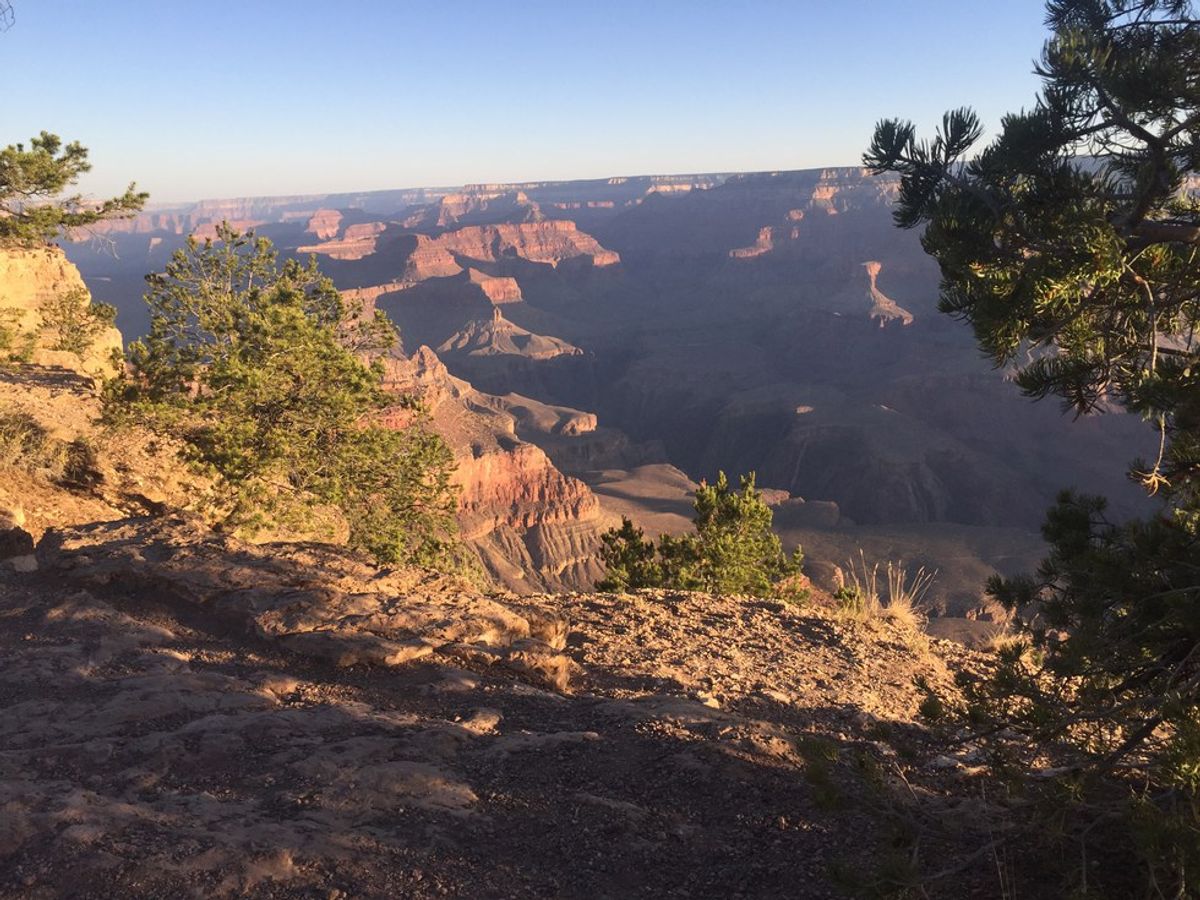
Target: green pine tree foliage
x=738, y=552
x=1071, y=245
x=248, y=362
x=733, y=549
x=32, y=181
x=629, y=559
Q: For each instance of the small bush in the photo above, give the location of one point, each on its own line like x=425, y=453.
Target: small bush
x=16, y=345
x=732, y=550
x=80, y=464
x=860, y=597
x=73, y=322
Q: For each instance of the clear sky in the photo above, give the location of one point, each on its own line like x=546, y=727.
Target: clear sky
x=253, y=97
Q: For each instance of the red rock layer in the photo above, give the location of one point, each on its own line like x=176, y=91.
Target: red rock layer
x=496, y=289
x=540, y=242
x=532, y=526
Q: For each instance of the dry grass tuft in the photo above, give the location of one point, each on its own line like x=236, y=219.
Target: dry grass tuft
x=861, y=597
x=1001, y=639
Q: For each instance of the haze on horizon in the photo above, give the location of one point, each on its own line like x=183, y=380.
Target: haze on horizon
x=269, y=98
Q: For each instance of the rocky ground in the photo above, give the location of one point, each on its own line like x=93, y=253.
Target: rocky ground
x=185, y=715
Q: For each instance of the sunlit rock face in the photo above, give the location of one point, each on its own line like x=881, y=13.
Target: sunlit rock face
x=30, y=280
x=532, y=526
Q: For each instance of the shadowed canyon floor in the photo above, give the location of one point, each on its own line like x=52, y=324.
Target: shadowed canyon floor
x=185, y=715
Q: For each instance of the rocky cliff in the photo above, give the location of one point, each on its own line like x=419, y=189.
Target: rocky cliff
x=357, y=241
x=30, y=281
x=474, y=208
x=498, y=289
x=740, y=331
x=533, y=526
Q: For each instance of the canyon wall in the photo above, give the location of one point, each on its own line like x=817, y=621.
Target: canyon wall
x=774, y=321
x=533, y=527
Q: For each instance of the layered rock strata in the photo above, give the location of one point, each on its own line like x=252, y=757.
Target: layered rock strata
x=532, y=526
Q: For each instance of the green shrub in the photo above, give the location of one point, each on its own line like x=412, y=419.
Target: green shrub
x=731, y=551
x=16, y=345
x=73, y=322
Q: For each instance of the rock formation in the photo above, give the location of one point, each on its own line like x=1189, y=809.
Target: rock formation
x=739, y=300
x=765, y=243
x=532, y=526
x=498, y=289
x=324, y=224
x=548, y=242
x=499, y=337
x=883, y=307
x=29, y=281
x=474, y=208
x=356, y=242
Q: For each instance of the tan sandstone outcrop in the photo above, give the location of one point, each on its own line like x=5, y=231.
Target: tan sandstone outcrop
x=29, y=280
x=883, y=307
x=324, y=224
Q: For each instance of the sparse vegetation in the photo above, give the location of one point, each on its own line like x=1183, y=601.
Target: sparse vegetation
x=247, y=364
x=26, y=445
x=72, y=322
x=16, y=344
x=862, y=595
x=1069, y=244
x=732, y=550
x=24, y=442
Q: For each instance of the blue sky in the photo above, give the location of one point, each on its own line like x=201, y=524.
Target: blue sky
x=254, y=97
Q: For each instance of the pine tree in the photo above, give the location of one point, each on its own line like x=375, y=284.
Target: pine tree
x=737, y=551
x=32, y=210
x=1070, y=245
x=629, y=559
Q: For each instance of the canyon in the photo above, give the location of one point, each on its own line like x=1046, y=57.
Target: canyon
x=593, y=349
